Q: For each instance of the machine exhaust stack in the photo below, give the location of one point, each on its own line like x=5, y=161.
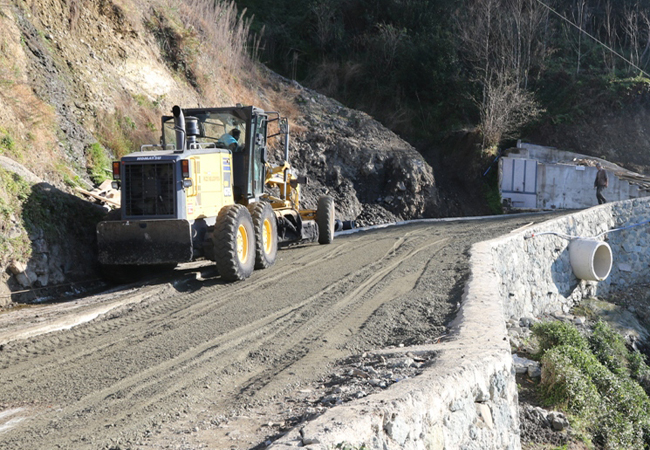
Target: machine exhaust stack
x=179, y=127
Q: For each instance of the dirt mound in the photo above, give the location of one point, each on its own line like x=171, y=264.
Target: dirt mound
x=373, y=174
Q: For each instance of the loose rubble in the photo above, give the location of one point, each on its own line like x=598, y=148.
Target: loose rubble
x=541, y=426
x=374, y=176
x=353, y=378
x=104, y=194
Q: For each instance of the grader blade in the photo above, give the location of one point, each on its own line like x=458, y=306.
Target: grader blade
x=144, y=242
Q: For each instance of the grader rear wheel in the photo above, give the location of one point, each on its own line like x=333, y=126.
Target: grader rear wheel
x=234, y=243
x=266, y=234
x=325, y=220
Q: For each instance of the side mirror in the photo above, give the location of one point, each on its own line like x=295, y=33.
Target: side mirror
x=264, y=155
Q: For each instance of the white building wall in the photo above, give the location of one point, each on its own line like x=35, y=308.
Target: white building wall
x=558, y=185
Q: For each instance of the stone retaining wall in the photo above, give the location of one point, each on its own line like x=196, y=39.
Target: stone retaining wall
x=468, y=398
x=534, y=269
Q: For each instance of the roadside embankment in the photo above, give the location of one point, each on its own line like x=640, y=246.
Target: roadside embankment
x=468, y=397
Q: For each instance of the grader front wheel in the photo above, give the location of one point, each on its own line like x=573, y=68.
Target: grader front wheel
x=233, y=240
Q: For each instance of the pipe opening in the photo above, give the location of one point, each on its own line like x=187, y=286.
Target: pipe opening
x=602, y=261
x=590, y=259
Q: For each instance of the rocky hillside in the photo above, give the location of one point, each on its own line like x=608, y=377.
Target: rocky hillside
x=373, y=175
x=82, y=83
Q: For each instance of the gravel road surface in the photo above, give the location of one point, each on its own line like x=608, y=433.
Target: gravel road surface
x=187, y=361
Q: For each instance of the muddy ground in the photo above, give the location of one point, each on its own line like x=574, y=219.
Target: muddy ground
x=186, y=361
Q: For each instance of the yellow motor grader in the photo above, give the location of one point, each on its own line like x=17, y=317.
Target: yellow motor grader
x=208, y=190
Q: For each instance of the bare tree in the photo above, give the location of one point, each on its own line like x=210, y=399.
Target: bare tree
x=507, y=108
x=580, y=17
x=611, y=37
x=522, y=26
x=389, y=39
x=645, y=19
x=632, y=30
x=325, y=12
x=499, y=40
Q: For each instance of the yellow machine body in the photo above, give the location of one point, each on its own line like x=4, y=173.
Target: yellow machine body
x=211, y=185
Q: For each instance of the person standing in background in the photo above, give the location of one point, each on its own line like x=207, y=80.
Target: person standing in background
x=600, y=183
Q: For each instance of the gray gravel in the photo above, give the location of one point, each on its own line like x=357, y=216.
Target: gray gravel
x=198, y=363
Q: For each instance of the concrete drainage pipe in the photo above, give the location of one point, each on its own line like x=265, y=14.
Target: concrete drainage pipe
x=590, y=259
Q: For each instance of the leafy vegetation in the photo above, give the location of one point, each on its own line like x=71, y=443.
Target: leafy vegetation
x=555, y=334
x=98, y=163
x=14, y=191
x=427, y=67
x=596, y=378
x=492, y=193
x=8, y=145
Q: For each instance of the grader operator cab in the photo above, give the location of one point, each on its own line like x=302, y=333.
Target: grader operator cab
x=201, y=194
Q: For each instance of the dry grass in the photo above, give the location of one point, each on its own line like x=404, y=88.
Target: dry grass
x=209, y=42
x=134, y=122
x=221, y=51
x=28, y=123
x=224, y=31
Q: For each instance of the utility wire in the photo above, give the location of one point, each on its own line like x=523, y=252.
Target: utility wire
x=593, y=37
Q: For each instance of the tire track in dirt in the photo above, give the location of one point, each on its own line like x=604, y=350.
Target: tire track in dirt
x=200, y=350
x=347, y=314
x=185, y=306
x=233, y=340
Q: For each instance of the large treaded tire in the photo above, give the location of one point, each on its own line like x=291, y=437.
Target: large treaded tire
x=234, y=243
x=266, y=234
x=325, y=219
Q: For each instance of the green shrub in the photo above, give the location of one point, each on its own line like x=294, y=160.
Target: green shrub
x=9, y=146
x=639, y=370
x=7, y=143
x=98, y=163
x=553, y=334
x=564, y=382
x=594, y=383
x=491, y=190
x=609, y=348
x=14, y=191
